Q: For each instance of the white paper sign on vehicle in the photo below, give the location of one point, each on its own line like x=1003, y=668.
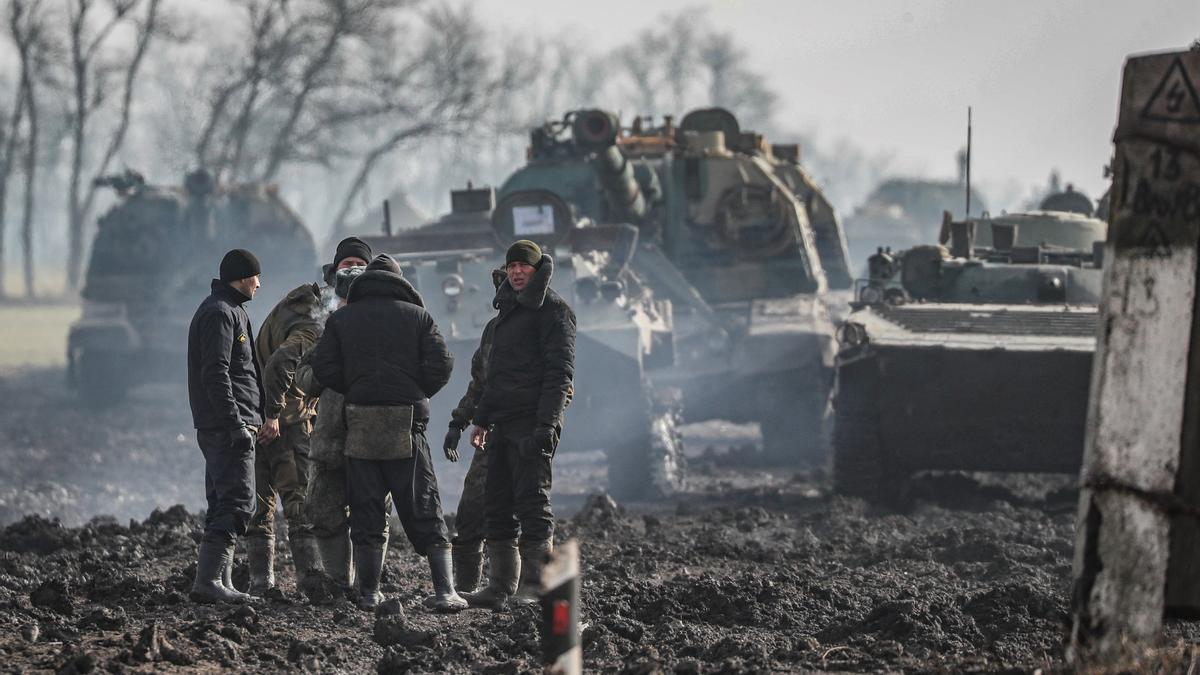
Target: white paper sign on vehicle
x=533, y=220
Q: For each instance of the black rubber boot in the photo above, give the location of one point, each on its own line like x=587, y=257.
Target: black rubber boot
x=304, y=556
x=260, y=550
x=533, y=558
x=502, y=577
x=468, y=567
x=209, y=587
x=337, y=559
x=368, y=563
x=445, y=599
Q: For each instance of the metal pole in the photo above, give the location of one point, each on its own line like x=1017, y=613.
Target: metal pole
x=968, y=213
x=561, y=650
x=387, y=218
x=1140, y=494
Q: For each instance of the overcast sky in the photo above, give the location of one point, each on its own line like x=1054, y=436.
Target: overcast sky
x=1043, y=76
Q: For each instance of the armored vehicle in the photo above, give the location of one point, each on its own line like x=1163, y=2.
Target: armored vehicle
x=974, y=357
x=153, y=257
x=734, y=233
x=624, y=334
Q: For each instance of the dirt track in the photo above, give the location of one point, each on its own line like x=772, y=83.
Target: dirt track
x=750, y=572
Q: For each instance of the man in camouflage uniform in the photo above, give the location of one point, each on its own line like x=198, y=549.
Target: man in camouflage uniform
x=281, y=461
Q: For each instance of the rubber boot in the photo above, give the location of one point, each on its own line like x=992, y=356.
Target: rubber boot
x=304, y=555
x=337, y=559
x=533, y=558
x=208, y=587
x=368, y=563
x=468, y=566
x=260, y=550
x=502, y=578
x=445, y=599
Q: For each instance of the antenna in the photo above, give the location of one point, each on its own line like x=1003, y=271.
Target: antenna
x=387, y=217
x=968, y=213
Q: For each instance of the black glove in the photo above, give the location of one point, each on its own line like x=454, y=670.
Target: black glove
x=242, y=440
x=543, y=441
x=450, y=445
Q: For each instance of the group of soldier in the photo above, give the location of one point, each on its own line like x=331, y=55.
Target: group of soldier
x=326, y=411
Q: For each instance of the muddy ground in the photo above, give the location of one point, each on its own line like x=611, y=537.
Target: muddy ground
x=754, y=570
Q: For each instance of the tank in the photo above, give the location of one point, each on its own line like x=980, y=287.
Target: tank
x=152, y=259
x=735, y=234
x=973, y=354
x=624, y=333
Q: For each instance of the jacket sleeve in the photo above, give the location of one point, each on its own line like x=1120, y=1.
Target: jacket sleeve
x=279, y=372
x=305, y=380
x=326, y=360
x=462, y=415
x=217, y=329
x=436, y=360
x=557, y=329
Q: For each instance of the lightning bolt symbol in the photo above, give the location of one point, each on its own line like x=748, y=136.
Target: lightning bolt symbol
x=1175, y=98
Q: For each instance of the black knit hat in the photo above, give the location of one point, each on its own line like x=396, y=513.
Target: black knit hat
x=239, y=264
x=524, y=251
x=351, y=247
x=384, y=262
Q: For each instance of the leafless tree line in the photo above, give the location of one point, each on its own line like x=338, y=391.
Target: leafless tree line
x=341, y=99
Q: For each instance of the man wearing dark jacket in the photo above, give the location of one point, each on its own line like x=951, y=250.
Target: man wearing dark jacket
x=384, y=353
x=225, y=393
x=518, y=420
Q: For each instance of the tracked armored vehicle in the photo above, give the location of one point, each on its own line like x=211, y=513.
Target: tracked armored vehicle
x=624, y=334
x=975, y=357
x=734, y=234
x=153, y=257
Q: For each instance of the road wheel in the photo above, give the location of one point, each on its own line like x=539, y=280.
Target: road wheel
x=652, y=464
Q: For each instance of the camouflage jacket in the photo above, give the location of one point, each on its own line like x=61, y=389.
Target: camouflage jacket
x=328, y=443
x=291, y=329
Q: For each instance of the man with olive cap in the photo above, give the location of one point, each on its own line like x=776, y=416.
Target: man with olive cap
x=225, y=393
x=281, y=464
x=530, y=367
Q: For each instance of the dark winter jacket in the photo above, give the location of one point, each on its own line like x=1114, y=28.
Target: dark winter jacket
x=223, y=382
x=383, y=348
x=531, y=364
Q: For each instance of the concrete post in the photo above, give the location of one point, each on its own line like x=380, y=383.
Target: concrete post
x=561, y=650
x=1138, y=422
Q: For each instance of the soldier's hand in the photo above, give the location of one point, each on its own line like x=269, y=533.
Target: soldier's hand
x=479, y=438
x=450, y=445
x=269, y=431
x=242, y=440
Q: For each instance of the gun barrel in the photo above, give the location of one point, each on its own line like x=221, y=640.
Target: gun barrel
x=620, y=184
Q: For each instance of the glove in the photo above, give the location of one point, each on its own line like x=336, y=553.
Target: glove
x=544, y=441
x=242, y=440
x=450, y=445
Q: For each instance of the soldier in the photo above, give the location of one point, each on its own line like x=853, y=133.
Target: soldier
x=281, y=465
x=518, y=420
x=469, y=518
x=325, y=502
x=225, y=393
x=384, y=353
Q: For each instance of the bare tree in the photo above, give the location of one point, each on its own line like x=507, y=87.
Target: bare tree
x=10, y=128
x=27, y=25
x=91, y=65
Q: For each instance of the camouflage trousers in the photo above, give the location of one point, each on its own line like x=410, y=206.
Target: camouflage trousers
x=327, y=507
x=281, y=474
x=469, y=521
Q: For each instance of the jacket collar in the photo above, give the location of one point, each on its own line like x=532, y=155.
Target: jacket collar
x=534, y=294
x=303, y=299
x=229, y=293
x=385, y=284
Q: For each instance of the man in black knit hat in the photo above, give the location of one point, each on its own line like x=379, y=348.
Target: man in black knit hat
x=225, y=392
x=384, y=353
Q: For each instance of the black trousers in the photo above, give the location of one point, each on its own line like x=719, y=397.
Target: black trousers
x=518, y=484
x=414, y=490
x=228, y=484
